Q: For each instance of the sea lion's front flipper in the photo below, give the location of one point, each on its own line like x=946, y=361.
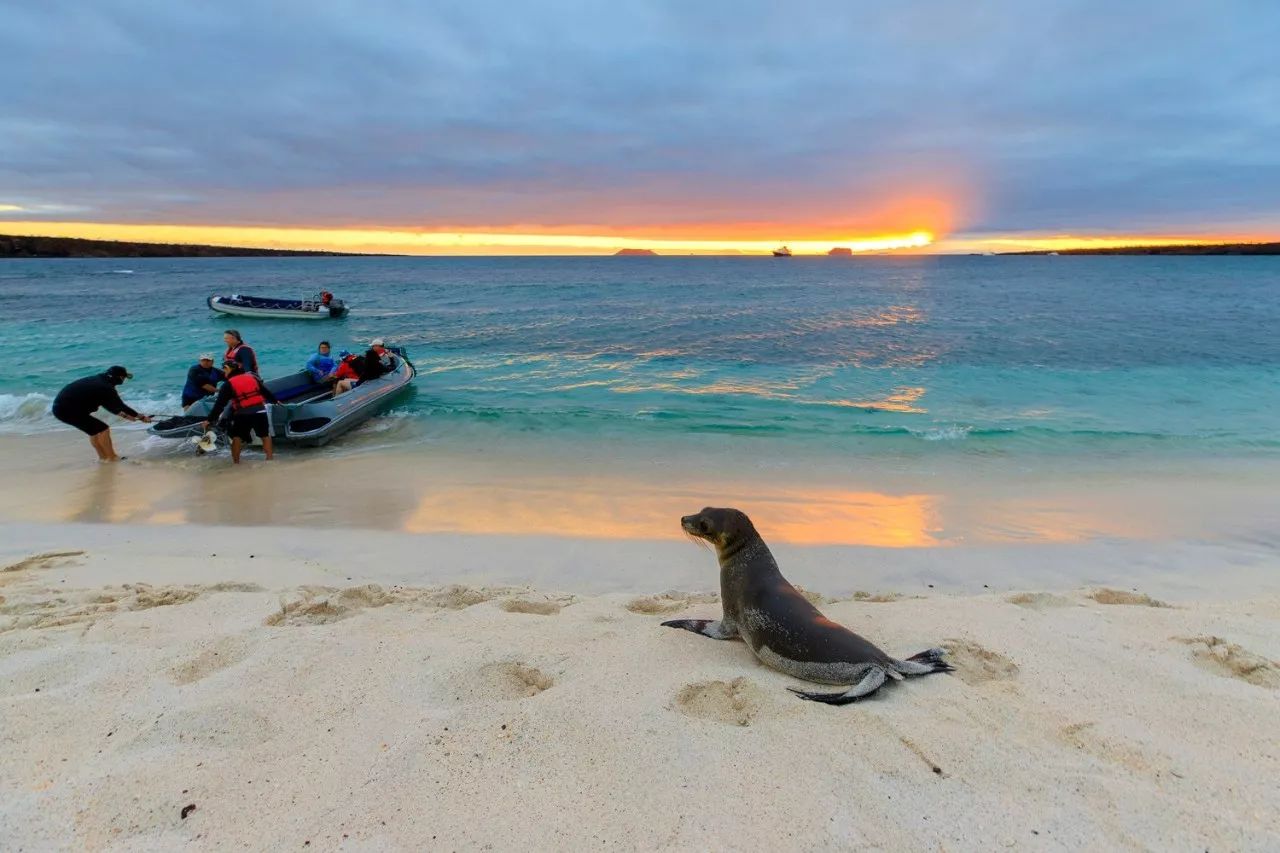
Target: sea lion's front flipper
x=870, y=683
x=716, y=630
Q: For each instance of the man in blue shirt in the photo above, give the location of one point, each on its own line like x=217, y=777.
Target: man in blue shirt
x=321, y=367
x=202, y=380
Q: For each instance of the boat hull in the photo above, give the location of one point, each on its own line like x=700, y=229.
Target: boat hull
x=279, y=309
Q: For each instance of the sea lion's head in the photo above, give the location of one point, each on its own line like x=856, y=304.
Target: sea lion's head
x=721, y=527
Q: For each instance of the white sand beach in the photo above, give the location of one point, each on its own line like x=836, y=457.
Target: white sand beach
x=266, y=688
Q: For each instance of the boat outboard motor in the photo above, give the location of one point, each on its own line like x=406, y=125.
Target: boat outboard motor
x=336, y=307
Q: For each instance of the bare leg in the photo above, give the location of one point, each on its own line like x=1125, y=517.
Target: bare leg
x=267, y=447
x=235, y=451
x=95, y=441
x=102, y=444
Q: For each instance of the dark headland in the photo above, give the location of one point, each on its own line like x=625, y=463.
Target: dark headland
x=1190, y=249
x=70, y=247
x=635, y=252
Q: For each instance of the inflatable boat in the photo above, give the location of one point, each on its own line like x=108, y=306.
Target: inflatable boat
x=322, y=306
x=308, y=413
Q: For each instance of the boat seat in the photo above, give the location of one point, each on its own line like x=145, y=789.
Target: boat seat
x=308, y=393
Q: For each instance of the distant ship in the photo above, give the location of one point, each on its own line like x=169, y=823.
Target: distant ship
x=782, y=252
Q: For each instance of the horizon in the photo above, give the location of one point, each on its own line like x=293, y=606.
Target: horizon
x=533, y=131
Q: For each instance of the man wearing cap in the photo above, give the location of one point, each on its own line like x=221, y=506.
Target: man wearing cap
x=378, y=361
x=76, y=403
x=202, y=380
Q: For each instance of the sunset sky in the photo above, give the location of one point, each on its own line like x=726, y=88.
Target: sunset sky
x=576, y=127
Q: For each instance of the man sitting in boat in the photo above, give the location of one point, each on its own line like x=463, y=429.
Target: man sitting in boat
x=321, y=366
x=202, y=380
x=248, y=396
x=378, y=361
x=239, y=351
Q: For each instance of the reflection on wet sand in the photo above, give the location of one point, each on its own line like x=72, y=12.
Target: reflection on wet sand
x=539, y=491
x=621, y=510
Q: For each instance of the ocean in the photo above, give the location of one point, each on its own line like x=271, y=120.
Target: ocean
x=871, y=354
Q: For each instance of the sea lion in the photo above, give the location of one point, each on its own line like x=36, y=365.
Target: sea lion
x=780, y=625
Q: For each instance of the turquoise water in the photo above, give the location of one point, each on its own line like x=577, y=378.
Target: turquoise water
x=956, y=355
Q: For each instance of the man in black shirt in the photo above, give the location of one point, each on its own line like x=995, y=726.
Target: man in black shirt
x=76, y=403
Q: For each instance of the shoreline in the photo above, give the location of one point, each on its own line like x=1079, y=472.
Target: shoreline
x=322, y=694
x=613, y=491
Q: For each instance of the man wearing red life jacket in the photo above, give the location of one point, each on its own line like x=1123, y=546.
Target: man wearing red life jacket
x=248, y=396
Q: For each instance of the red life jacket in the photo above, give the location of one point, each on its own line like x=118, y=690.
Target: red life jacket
x=247, y=391
x=230, y=355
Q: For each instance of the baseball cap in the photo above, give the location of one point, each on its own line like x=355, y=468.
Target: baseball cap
x=206, y=356
x=115, y=371
x=377, y=342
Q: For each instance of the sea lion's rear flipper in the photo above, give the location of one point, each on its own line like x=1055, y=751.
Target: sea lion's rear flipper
x=924, y=663
x=716, y=630
x=870, y=683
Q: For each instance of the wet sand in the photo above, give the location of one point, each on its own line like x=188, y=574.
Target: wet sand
x=557, y=489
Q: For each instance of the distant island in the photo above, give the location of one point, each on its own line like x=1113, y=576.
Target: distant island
x=70, y=247
x=840, y=251
x=634, y=252
x=1190, y=249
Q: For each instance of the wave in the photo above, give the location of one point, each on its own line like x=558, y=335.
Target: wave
x=24, y=407
x=790, y=424
x=27, y=414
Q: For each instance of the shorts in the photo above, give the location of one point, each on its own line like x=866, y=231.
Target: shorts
x=244, y=426
x=87, y=424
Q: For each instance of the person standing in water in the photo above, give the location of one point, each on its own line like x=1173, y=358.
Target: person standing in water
x=248, y=396
x=240, y=352
x=76, y=403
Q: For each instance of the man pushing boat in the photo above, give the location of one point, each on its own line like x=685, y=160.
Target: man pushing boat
x=76, y=403
x=248, y=397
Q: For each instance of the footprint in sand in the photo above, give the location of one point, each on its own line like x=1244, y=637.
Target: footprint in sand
x=734, y=703
x=1039, y=600
x=1120, y=596
x=319, y=605
x=48, y=560
x=538, y=606
x=669, y=602
x=224, y=725
x=88, y=606
x=496, y=682
x=224, y=653
x=977, y=665
x=879, y=597
x=1086, y=737
x=1232, y=661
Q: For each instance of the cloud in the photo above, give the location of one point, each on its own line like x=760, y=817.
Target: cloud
x=983, y=117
